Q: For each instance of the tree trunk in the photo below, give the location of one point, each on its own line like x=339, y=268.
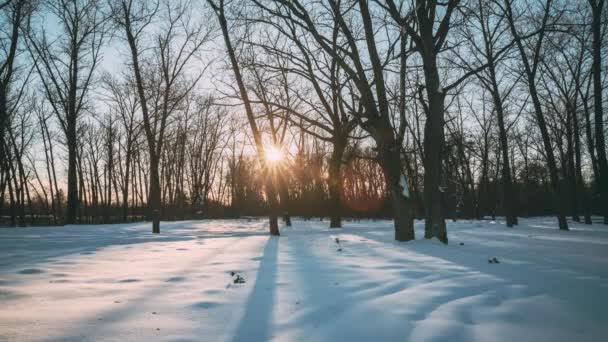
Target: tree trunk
x=403, y=215
x=335, y=185
x=72, y=201
x=270, y=187
x=530, y=72
x=125, y=190
x=3, y=121
x=6, y=69
x=434, y=225
x=600, y=143
x=154, y=198
x=551, y=164
x=284, y=197
x=508, y=191
x=571, y=171
x=580, y=188
x=271, y=193
x=11, y=197
x=389, y=159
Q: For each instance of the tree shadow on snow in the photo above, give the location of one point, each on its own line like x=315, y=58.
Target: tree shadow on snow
x=34, y=245
x=461, y=279
x=257, y=319
x=332, y=300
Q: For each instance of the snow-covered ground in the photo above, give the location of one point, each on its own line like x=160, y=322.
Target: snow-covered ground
x=121, y=283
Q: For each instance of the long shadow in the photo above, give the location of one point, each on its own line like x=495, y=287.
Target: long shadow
x=536, y=279
x=456, y=273
x=130, y=306
x=33, y=245
x=25, y=247
x=255, y=324
x=318, y=279
x=334, y=295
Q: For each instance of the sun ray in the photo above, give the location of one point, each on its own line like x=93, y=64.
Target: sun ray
x=273, y=154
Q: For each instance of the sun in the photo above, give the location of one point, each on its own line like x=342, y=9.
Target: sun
x=273, y=154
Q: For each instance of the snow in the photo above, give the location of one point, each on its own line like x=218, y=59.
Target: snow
x=121, y=283
x=403, y=184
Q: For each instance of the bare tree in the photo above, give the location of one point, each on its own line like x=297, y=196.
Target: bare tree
x=271, y=193
x=326, y=117
x=419, y=24
x=66, y=65
x=491, y=51
x=562, y=73
x=375, y=116
x=203, y=148
x=14, y=14
x=123, y=100
x=531, y=62
x=597, y=8
x=162, y=77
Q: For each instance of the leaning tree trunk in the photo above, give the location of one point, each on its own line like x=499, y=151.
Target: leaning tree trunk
x=257, y=137
x=530, y=73
x=551, y=163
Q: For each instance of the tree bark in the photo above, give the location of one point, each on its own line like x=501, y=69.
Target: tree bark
x=72, y=200
x=125, y=190
x=508, y=191
x=284, y=197
x=571, y=167
x=580, y=186
x=433, y=144
x=6, y=69
x=403, y=213
x=154, y=197
x=600, y=143
x=273, y=206
x=335, y=185
x=389, y=158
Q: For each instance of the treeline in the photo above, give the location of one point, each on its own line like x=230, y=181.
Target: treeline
x=120, y=110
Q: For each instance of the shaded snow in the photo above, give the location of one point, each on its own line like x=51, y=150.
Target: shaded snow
x=403, y=184
x=121, y=283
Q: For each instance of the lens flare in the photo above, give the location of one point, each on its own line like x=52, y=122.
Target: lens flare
x=274, y=155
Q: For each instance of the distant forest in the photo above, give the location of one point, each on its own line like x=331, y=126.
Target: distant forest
x=124, y=110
